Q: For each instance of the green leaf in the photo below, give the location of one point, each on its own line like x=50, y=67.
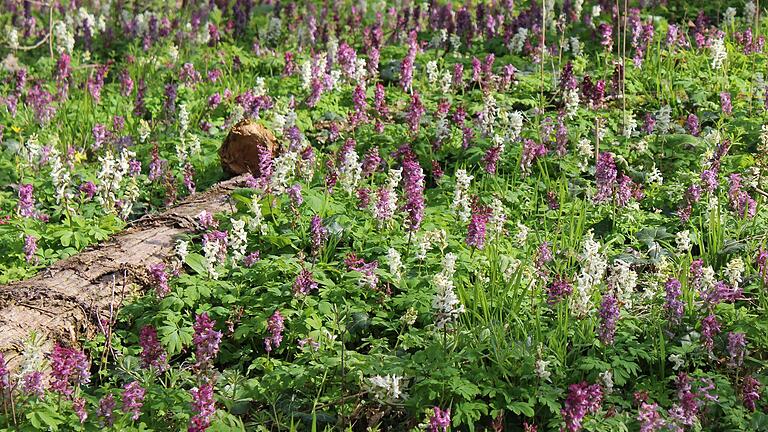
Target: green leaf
x=196, y=262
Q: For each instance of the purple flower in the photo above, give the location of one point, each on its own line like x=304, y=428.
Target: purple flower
x=251, y=258
x=558, y=290
x=360, y=104
x=26, y=200
x=692, y=124
x=371, y=162
x=379, y=101
x=106, y=409
x=4, y=374
x=294, y=192
x=413, y=181
x=605, y=176
x=160, y=277
x=606, y=35
x=458, y=76
x=203, y=406
x=205, y=219
x=318, y=233
x=189, y=178
x=152, y=353
x=476, y=229
x=304, y=283
x=609, y=316
x=206, y=340
x=582, y=399
x=41, y=102
x=743, y=204
x=762, y=260
x=751, y=392
x=649, y=417
x=440, y=420
x=368, y=270
x=674, y=306
x=189, y=75
x=68, y=367
x=415, y=112
x=709, y=180
x=33, y=384
x=491, y=158
x=543, y=256
x=30, y=249
x=133, y=399
x=275, y=327
x=290, y=66
x=126, y=83
x=709, y=328
x=737, y=343
x=649, y=125
x=96, y=82
x=214, y=100
x=725, y=103
x=406, y=66
x=78, y=406
x=531, y=152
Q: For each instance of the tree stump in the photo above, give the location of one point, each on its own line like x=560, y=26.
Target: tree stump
x=247, y=148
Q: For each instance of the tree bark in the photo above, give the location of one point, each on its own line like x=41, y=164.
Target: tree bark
x=78, y=296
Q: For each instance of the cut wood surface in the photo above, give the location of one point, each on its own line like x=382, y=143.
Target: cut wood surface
x=68, y=300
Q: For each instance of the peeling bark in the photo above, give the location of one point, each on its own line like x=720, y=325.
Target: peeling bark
x=67, y=301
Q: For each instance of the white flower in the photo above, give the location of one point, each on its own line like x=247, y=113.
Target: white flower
x=655, y=176
x=460, y=204
x=585, y=151
x=13, y=38
x=630, y=124
x=350, y=171
x=395, y=264
x=578, y=7
x=238, y=239
x=509, y=267
x=432, y=73
x=750, y=10
x=256, y=223
x=446, y=82
x=517, y=42
x=445, y=303
x=386, y=388
x=593, y=268
x=677, y=361
x=541, y=370
x=498, y=217
x=182, y=249
x=305, y=74
x=282, y=172
x=622, y=281
x=575, y=47
x=733, y=271
x=211, y=250
x=522, y=234
x=383, y=211
x=607, y=380
x=596, y=10
x=571, y=101
x=719, y=54
x=663, y=119
x=683, y=241
x=144, y=130
x=729, y=15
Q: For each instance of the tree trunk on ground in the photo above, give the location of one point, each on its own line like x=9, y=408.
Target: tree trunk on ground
x=68, y=300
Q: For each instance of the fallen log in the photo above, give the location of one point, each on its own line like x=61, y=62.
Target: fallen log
x=72, y=298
